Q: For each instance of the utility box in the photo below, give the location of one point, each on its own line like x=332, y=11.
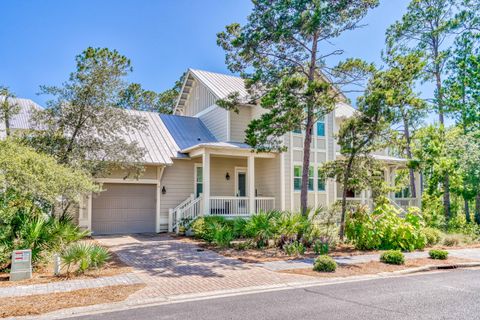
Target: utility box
x=21, y=265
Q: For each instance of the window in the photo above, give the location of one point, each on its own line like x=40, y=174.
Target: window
x=297, y=130
x=320, y=182
x=297, y=178
x=321, y=127
x=198, y=181
x=404, y=193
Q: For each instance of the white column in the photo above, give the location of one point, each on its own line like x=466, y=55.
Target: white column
x=251, y=182
x=206, y=182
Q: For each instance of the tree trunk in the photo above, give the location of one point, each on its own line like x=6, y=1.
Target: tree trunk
x=477, y=208
x=408, y=148
x=306, y=165
x=7, y=125
x=467, y=209
x=346, y=176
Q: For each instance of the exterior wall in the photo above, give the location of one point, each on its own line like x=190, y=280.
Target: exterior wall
x=216, y=120
x=239, y=123
x=267, y=179
x=179, y=185
x=149, y=173
x=199, y=99
x=219, y=185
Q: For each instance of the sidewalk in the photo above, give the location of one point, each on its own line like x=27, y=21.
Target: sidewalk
x=69, y=285
x=473, y=253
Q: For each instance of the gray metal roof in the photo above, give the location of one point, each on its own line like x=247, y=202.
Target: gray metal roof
x=159, y=145
x=22, y=120
x=221, y=84
x=220, y=145
x=187, y=131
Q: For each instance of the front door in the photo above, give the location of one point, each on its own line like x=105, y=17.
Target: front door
x=241, y=184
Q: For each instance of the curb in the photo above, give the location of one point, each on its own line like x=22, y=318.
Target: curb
x=431, y=267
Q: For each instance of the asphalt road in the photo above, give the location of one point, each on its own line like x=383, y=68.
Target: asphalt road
x=444, y=295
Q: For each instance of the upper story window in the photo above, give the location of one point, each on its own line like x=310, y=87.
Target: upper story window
x=320, y=182
x=297, y=178
x=297, y=130
x=321, y=127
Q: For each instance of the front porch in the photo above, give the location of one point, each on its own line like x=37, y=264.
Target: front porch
x=229, y=183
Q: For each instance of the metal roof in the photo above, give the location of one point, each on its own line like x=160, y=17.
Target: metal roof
x=187, y=131
x=159, y=145
x=221, y=85
x=219, y=145
x=344, y=110
x=22, y=119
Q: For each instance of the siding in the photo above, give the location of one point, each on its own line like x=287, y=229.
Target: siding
x=178, y=182
x=149, y=173
x=267, y=179
x=239, y=123
x=217, y=122
x=199, y=99
x=219, y=167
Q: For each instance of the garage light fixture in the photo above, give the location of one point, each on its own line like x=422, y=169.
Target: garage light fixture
x=227, y=176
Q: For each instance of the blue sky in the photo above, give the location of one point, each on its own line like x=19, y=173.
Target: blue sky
x=162, y=38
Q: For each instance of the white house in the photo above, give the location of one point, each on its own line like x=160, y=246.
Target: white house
x=196, y=163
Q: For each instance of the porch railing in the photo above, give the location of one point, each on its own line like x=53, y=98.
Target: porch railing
x=189, y=209
x=239, y=206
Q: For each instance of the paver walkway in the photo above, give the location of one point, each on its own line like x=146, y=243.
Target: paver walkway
x=173, y=267
x=473, y=253
x=69, y=285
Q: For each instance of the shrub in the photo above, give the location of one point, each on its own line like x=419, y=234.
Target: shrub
x=392, y=257
x=324, y=264
x=432, y=235
x=321, y=247
x=262, y=227
x=290, y=227
x=239, y=225
x=438, y=254
x=222, y=235
x=453, y=240
x=384, y=229
x=294, y=249
x=84, y=256
x=204, y=227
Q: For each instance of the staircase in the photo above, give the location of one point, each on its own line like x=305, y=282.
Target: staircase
x=186, y=211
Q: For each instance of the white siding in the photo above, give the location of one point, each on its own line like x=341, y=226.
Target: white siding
x=199, y=99
x=267, y=178
x=219, y=185
x=216, y=121
x=239, y=123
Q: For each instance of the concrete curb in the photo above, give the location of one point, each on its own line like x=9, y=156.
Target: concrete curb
x=431, y=267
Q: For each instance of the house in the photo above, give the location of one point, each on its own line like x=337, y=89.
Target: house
x=196, y=162
x=20, y=121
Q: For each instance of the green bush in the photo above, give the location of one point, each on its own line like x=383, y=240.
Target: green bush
x=324, y=264
x=392, y=257
x=84, y=256
x=453, y=240
x=222, y=235
x=384, y=229
x=438, y=254
x=321, y=247
x=290, y=227
x=262, y=227
x=432, y=235
x=204, y=227
x=294, y=249
x=239, y=227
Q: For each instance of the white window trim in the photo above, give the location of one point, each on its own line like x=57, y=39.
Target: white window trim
x=296, y=163
x=237, y=171
x=197, y=165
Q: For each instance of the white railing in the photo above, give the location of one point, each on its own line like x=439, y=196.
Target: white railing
x=264, y=204
x=406, y=203
x=229, y=206
x=189, y=209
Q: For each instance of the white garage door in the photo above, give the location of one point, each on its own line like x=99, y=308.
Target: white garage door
x=124, y=208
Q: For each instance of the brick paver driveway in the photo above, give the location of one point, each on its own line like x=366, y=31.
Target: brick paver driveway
x=173, y=267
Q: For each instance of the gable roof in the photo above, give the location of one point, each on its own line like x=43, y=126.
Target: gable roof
x=22, y=120
x=221, y=85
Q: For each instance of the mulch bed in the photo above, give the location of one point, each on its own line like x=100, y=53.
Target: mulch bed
x=44, y=274
x=373, y=267
x=43, y=303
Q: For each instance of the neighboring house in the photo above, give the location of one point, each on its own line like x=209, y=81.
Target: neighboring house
x=196, y=162
x=20, y=121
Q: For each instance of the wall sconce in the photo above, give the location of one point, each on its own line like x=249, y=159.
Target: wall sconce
x=164, y=190
x=227, y=176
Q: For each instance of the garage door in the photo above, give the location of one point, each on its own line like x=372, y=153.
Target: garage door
x=124, y=208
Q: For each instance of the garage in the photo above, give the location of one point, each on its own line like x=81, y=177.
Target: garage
x=124, y=208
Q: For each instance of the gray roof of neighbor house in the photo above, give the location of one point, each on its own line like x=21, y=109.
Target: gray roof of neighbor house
x=22, y=120
x=187, y=131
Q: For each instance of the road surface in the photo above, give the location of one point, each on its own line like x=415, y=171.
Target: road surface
x=451, y=294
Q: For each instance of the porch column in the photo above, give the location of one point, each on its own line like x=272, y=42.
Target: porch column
x=206, y=182
x=251, y=183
